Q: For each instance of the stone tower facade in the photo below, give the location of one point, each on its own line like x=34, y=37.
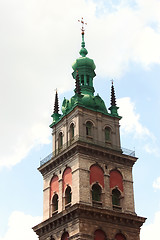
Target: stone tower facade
x=88, y=185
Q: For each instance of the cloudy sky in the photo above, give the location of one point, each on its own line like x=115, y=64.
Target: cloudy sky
x=39, y=41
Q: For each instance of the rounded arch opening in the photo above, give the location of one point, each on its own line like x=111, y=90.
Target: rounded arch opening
x=54, y=186
x=65, y=236
x=120, y=236
x=99, y=235
x=116, y=179
x=116, y=196
x=72, y=131
x=68, y=195
x=89, y=129
x=96, y=193
x=107, y=132
x=96, y=175
x=55, y=203
x=60, y=140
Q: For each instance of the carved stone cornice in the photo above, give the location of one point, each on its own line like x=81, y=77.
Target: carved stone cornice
x=81, y=212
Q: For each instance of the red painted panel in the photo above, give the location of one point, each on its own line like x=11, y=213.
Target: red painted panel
x=120, y=236
x=67, y=177
x=99, y=235
x=65, y=236
x=96, y=175
x=54, y=186
x=116, y=180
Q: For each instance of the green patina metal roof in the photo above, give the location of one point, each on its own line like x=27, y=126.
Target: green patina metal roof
x=85, y=68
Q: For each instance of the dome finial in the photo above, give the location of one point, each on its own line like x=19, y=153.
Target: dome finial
x=83, y=52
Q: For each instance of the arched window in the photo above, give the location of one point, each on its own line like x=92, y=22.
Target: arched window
x=55, y=203
x=72, y=131
x=116, y=197
x=65, y=236
x=99, y=235
x=60, y=140
x=68, y=195
x=96, y=193
x=107, y=134
x=89, y=129
x=120, y=236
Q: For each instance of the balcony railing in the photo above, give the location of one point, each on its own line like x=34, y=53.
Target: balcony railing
x=89, y=141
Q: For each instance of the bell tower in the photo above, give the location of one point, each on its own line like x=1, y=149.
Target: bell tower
x=88, y=185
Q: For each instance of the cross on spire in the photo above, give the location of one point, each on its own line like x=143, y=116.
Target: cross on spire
x=82, y=22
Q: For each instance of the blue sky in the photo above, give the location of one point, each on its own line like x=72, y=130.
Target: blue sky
x=39, y=41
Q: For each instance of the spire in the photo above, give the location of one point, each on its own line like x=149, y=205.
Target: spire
x=113, y=97
x=56, y=116
x=83, y=52
x=78, y=88
x=56, y=104
x=113, y=107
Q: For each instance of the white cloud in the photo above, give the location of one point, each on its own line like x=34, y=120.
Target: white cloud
x=39, y=41
x=20, y=227
x=151, y=231
x=156, y=183
x=130, y=123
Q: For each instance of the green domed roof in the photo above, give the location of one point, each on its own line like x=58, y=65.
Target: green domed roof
x=83, y=62
x=85, y=100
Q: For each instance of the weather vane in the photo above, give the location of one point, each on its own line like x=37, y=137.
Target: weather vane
x=82, y=21
x=112, y=81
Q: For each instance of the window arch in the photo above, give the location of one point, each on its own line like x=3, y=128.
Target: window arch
x=68, y=195
x=71, y=131
x=60, y=140
x=89, y=129
x=116, y=180
x=54, y=186
x=116, y=195
x=96, y=193
x=55, y=203
x=120, y=236
x=96, y=175
x=99, y=235
x=65, y=236
x=107, y=134
x=67, y=178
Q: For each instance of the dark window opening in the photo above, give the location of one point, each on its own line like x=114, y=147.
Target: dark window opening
x=88, y=80
x=72, y=131
x=96, y=193
x=65, y=236
x=82, y=79
x=68, y=195
x=55, y=202
x=60, y=140
x=89, y=129
x=107, y=134
x=116, y=197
